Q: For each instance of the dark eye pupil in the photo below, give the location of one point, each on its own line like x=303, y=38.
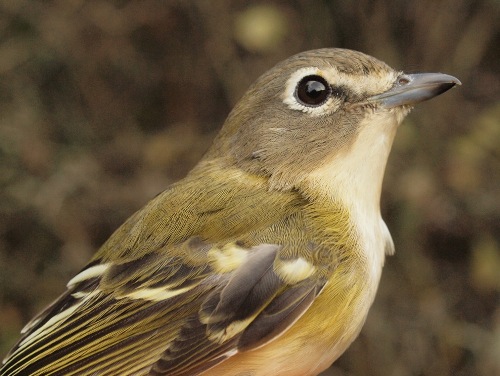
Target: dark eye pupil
x=313, y=90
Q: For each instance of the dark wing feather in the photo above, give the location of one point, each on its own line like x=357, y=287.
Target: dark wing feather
x=279, y=315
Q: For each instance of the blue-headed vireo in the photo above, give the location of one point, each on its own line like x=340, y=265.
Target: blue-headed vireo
x=265, y=258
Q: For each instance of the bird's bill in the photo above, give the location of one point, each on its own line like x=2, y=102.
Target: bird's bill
x=410, y=89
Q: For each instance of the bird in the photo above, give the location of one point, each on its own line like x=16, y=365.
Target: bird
x=265, y=258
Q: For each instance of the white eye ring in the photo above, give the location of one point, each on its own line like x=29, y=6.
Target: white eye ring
x=290, y=93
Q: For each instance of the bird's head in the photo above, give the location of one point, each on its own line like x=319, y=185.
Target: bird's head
x=325, y=117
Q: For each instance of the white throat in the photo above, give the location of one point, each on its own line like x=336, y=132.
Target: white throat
x=354, y=178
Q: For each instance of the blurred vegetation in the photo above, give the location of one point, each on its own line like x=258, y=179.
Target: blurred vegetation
x=104, y=103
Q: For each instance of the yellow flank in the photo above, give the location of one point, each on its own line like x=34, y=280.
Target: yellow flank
x=294, y=271
x=319, y=337
x=227, y=258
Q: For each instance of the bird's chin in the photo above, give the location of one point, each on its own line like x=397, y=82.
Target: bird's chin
x=399, y=112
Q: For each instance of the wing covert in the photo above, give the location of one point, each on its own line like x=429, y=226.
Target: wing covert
x=170, y=315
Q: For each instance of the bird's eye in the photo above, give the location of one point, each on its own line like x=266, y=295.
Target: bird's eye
x=313, y=91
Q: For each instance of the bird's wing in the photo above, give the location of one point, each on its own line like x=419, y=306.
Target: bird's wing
x=188, y=281
x=162, y=315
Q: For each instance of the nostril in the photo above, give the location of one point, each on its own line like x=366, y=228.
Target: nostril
x=403, y=80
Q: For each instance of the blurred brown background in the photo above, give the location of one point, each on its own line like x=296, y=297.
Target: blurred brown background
x=105, y=103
